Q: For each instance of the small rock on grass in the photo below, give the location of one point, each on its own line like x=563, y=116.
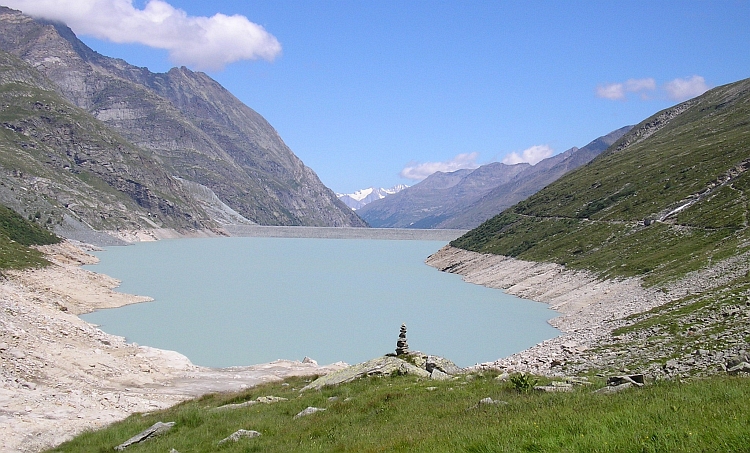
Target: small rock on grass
x=153, y=431
x=239, y=434
x=489, y=400
x=308, y=411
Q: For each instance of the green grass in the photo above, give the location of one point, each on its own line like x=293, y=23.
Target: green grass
x=411, y=415
x=599, y=217
x=16, y=235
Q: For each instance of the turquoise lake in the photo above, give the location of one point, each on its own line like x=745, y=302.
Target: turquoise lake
x=243, y=301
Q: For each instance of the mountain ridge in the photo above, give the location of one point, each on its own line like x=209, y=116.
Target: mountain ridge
x=465, y=198
x=191, y=126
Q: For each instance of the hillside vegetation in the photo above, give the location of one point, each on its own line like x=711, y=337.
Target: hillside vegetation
x=406, y=414
x=669, y=197
x=16, y=236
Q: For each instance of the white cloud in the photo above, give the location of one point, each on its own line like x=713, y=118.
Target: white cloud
x=684, y=89
x=417, y=172
x=613, y=91
x=205, y=43
x=618, y=91
x=530, y=155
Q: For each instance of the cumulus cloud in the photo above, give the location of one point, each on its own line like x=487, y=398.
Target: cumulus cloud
x=419, y=171
x=684, y=89
x=618, y=91
x=205, y=43
x=529, y=155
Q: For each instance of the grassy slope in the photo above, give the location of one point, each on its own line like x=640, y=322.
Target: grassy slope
x=16, y=235
x=599, y=217
x=410, y=415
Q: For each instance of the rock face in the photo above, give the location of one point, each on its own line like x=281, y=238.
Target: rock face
x=466, y=198
x=91, y=123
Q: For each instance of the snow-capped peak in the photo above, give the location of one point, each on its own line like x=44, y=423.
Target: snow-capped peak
x=362, y=197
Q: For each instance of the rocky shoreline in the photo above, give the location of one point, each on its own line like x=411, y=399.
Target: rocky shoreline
x=591, y=308
x=60, y=375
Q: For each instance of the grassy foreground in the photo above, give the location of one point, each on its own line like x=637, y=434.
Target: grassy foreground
x=411, y=415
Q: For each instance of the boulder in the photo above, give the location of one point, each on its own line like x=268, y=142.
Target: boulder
x=742, y=367
x=382, y=366
x=439, y=375
x=259, y=400
x=490, y=402
x=635, y=380
x=308, y=411
x=149, y=433
x=239, y=434
x=618, y=383
x=613, y=388
x=554, y=387
x=433, y=362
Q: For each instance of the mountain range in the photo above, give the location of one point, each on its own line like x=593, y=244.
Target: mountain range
x=90, y=141
x=667, y=198
x=465, y=198
x=363, y=197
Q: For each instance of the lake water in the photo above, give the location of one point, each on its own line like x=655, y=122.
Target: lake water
x=243, y=301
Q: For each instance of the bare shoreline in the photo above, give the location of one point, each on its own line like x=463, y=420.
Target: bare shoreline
x=61, y=376
x=589, y=307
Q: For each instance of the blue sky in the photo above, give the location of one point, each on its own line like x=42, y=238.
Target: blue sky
x=368, y=93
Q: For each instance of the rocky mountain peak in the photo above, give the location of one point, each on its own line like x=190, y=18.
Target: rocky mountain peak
x=182, y=124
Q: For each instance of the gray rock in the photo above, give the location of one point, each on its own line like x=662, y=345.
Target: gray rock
x=555, y=387
x=439, y=375
x=240, y=434
x=309, y=360
x=742, y=367
x=490, y=402
x=259, y=400
x=446, y=366
x=382, y=366
x=737, y=359
x=636, y=380
x=614, y=388
x=308, y=411
x=155, y=430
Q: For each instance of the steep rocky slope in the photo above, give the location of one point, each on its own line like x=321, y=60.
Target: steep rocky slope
x=187, y=124
x=60, y=162
x=465, y=198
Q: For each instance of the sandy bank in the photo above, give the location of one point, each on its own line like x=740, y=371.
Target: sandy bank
x=60, y=375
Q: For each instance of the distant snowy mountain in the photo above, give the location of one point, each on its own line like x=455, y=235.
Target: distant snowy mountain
x=465, y=198
x=362, y=197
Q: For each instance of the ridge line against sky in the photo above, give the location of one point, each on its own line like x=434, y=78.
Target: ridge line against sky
x=377, y=93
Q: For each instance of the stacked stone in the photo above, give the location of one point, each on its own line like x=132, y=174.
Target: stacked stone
x=402, y=347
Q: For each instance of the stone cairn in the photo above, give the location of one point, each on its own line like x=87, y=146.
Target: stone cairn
x=402, y=347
